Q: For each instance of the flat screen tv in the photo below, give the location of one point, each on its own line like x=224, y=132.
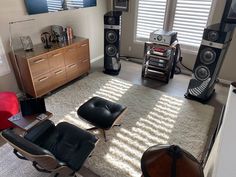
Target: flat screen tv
x=229, y=15
x=45, y=6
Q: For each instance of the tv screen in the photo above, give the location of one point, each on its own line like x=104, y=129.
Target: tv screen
x=44, y=6
x=229, y=15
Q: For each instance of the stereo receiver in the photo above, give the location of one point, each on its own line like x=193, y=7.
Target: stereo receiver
x=163, y=37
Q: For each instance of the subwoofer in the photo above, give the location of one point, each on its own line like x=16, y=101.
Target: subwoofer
x=216, y=39
x=112, y=30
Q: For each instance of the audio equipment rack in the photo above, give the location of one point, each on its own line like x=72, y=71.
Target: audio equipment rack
x=159, y=65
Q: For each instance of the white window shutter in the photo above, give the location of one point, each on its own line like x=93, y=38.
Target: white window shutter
x=54, y=6
x=4, y=66
x=151, y=16
x=75, y=4
x=190, y=20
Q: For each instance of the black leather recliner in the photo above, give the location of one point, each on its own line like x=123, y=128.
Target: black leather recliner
x=60, y=149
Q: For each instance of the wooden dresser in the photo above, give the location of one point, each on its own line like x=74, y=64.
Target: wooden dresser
x=44, y=70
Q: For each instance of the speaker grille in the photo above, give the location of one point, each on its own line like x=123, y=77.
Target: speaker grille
x=207, y=56
x=202, y=73
x=213, y=36
x=111, y=21
x=111, y=36
x=111, y=50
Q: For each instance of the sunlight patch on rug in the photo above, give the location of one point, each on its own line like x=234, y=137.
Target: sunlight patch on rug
x=125, y=148
x=113, y=90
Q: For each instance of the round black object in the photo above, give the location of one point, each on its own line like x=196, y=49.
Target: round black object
x=159, y=37
x=111, y=50
x=169, y=161
x=111, y=36
x=202, y=73
x=207, y=56
x=213, y=36
x=234, y=84
x=234, y=90
x=111, y=20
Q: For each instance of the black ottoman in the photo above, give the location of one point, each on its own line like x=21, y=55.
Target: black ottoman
x=101, y=113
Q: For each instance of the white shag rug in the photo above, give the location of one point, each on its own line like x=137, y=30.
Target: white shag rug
x=153, y=117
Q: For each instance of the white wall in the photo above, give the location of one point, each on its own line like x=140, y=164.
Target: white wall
x=87, y=22
x=221, y=162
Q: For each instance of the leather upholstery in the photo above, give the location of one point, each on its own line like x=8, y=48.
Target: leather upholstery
x=100, y=112
x=24, y=144
x=69, y=144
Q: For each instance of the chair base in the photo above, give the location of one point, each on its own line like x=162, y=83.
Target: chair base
x=103, y=131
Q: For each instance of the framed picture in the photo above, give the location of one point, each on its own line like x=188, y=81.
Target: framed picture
x=121, y=5
x=229, y=15
x=26, y=43
x=4, y=66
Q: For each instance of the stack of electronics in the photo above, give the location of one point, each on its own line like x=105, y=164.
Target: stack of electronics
x=159, y=55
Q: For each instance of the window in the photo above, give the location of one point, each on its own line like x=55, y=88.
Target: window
x=151, y=14
x=187, y=17
x=4, y=67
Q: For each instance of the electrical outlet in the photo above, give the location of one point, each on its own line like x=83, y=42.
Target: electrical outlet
x=130, y=48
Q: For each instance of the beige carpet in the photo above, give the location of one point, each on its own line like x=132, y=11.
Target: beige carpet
x=153, y=117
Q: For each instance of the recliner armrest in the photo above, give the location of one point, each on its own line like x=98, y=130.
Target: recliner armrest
x=39, y=130
x=19, y=143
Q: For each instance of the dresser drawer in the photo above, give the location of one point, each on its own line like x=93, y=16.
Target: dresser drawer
x=71, y=55
x=43, y=84
x=72, y=71
x=59, y=77
x=38, y=65
x=56, y=59
x=83, y=51
x=84, y=66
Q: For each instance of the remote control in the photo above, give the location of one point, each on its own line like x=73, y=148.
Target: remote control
x=41, y=116
x=16, y=117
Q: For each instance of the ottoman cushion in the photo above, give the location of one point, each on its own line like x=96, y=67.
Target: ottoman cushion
x=100, y=112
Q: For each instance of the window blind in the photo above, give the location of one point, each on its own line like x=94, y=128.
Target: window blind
x=74, y=4
x=190, y=19
x=151, y=14
x=54, y=5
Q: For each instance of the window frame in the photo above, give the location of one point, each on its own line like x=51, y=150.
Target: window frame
x=169, y=22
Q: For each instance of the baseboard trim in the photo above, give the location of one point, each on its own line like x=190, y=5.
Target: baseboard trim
x=97, y=58
x=223, y=81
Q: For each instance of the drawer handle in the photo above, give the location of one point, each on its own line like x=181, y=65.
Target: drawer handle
x=84, y=45
x=39, y=61
x=43, y=79
x=72, y=66
x=56, y=55
x=58, y=72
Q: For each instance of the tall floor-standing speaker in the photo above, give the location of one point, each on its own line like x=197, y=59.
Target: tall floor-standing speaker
x=216, y=39
x=112, y=30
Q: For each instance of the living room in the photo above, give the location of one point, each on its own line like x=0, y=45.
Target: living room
x=76, y=89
